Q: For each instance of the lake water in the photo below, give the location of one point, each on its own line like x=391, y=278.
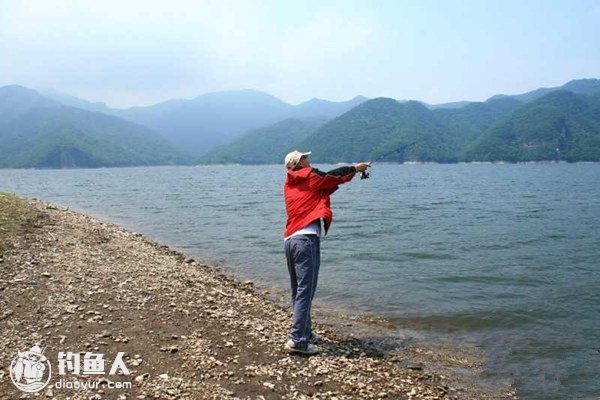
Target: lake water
x=506, y=255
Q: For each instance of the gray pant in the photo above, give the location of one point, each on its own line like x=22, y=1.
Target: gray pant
x=303, y=253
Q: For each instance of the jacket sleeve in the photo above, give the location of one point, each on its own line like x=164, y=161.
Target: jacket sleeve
x=330, y=180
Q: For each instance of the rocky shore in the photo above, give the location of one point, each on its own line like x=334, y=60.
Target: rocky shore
x=72, y=283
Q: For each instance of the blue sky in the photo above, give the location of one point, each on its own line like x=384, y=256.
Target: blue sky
x=142, y=52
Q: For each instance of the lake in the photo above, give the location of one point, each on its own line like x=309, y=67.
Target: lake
x=506, y=255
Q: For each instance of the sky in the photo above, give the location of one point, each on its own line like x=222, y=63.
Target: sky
x=129, y=52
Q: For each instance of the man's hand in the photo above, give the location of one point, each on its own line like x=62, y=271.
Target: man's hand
x=362, y=166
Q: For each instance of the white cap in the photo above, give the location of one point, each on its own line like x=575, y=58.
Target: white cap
x=293, y=158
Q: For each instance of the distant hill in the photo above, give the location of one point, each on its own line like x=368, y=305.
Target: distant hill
x=580, y=86
x=72, y=101
x=202, y=123
x=387, y=130
x=16, y=100
x=325, y=108
x=379, y=128
x=561, y=125
x=206, y=121
x=36, y=132
x=249, y=127
x=267, y=145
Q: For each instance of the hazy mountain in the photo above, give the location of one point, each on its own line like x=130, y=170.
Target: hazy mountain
x=325, y=108
x=38, y=132
x=265, y=145
x=211, y=119
x=16, y=100
x=247, y=125
x=206, y=121
x=72, y=101
x=560, y=125
x=452, y=105
x=582, y=86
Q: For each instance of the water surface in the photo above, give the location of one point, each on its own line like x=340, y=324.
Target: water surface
x=504, y=255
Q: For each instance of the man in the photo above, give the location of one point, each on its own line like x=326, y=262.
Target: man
x=306, y=193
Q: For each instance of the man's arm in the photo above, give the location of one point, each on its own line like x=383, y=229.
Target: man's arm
x=330, y=180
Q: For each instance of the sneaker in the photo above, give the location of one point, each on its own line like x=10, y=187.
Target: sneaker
x=292, y=347
x=315, y=337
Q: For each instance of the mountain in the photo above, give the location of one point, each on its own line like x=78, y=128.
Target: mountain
x=202, y=123
x=382, y=129
x=388, y=130
x=581, y=86
x=40, y=133
x=561, y=125
x=211, y=119
x=325, y=108
x=452, y=105
x=72, y=101
x=16, y=100
x=470, y=121
x=267, y=145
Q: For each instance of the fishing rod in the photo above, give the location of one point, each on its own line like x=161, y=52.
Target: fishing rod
x=365, y=174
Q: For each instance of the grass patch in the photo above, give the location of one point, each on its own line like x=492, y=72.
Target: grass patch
x=16, y=216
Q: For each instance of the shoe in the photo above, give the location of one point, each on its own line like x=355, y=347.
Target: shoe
x=292, y=347
x=314, y=337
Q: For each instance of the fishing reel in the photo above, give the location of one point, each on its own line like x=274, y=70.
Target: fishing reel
x=365, y=174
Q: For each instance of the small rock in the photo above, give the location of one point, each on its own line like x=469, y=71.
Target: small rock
x=269, y=385
x=164, y=376
x=46, y=274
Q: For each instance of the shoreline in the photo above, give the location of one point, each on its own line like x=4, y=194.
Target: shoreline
x=214, y=335
x=543, y=162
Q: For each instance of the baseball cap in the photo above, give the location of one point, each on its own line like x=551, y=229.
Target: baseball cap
x=293, y=158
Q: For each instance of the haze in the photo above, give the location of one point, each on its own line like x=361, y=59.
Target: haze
x=129, y=53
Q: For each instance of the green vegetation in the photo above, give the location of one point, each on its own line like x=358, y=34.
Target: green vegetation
x=559, y=126
x=36, y=132
x=16, y=216
x=267, y=145
x=559, y=123
x=384, y=129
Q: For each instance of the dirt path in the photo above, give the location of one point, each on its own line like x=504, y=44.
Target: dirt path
x=72, y=283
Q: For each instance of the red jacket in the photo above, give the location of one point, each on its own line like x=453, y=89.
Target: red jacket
x=307, y=192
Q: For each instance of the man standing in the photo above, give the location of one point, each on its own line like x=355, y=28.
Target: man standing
x=306, y=193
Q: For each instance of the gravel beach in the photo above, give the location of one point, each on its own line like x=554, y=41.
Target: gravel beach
x=72, y=283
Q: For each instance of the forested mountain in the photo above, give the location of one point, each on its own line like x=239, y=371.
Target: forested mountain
x=559, y=126
x=16, y=100
x=202, y=123
x=511, y=128
x=267, y=145
x=38, y=132
x=251, y=127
